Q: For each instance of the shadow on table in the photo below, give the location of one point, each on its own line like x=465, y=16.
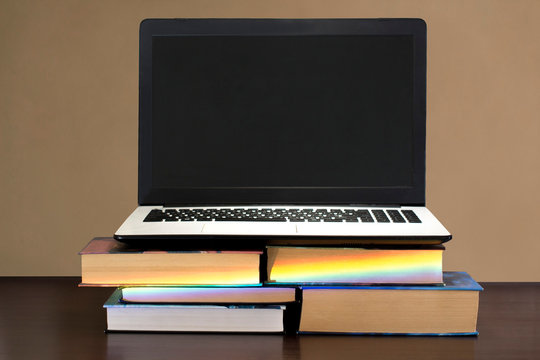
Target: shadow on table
x=386, y=347
x=163, y=346
x=135, y=346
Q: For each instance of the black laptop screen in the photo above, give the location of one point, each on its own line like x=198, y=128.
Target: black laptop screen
x=282, y=112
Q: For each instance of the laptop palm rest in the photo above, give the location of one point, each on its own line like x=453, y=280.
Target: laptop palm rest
x=249, y=229
x=326, y=229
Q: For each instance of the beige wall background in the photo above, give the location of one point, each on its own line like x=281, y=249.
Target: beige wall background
x=68, y=116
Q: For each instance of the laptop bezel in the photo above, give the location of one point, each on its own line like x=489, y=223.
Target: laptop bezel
x=149, y=195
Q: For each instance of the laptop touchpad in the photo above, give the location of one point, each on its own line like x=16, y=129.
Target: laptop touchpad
x=224, y=228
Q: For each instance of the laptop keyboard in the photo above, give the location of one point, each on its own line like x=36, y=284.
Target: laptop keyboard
x=284, y=215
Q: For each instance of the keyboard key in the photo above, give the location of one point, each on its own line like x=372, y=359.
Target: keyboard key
x=411, y=216
x=395, y=216
x=380, y=216
x=154, y=216
x=153, y=219
x=364, y=216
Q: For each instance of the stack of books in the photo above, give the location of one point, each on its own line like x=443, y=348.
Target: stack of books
x=179, y=290
x=392, y=290
x=382, y=290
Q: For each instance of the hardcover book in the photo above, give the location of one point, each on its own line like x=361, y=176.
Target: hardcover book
x=107, y=262
x=122, y=316
x=312, y=265
x=413, y=310
x=186, y=294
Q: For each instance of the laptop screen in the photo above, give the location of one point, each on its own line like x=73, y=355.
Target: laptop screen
x=283, y=118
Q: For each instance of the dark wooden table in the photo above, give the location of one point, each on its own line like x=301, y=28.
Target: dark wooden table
x=51, y=318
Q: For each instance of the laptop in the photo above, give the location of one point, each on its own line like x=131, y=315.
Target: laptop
x=286, y=131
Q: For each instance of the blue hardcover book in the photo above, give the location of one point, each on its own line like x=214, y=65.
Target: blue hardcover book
x=393, y=310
